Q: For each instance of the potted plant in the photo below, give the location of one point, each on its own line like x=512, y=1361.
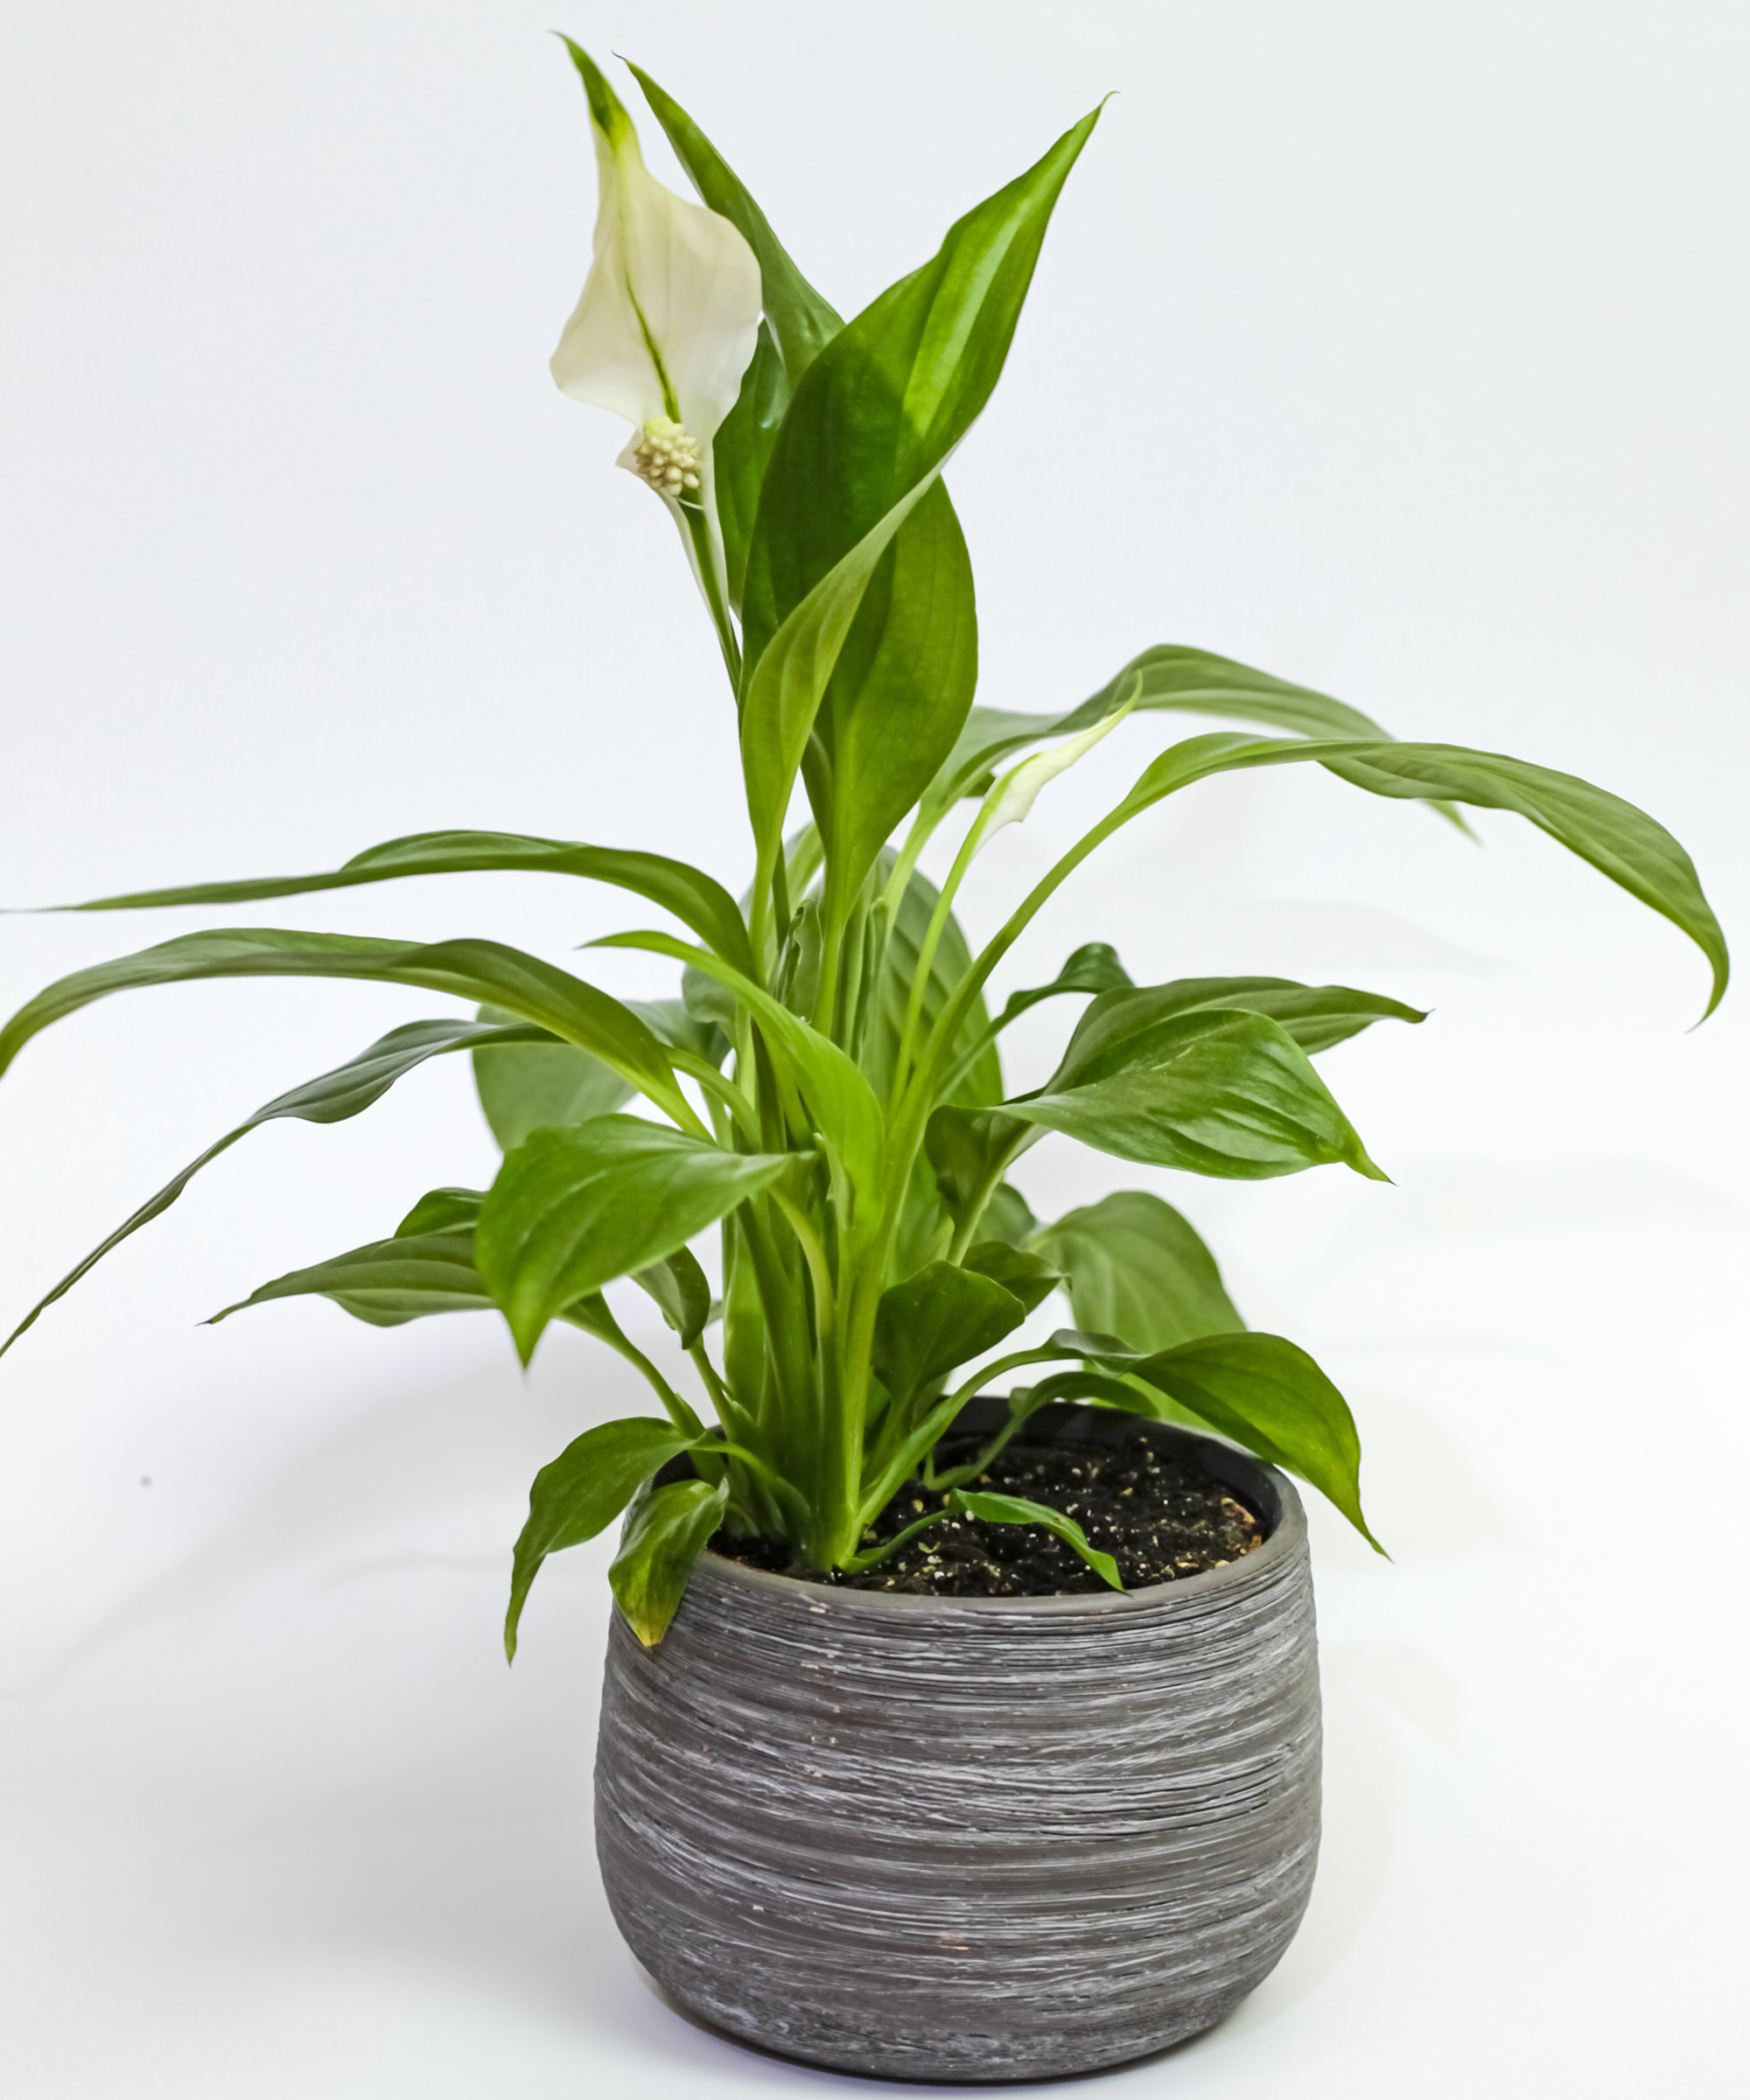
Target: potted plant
x=962, y=1711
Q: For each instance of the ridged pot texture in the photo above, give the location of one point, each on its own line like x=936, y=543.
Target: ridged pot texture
x=971, y=1840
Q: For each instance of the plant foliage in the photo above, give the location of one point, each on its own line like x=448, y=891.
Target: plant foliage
x=825, y=1093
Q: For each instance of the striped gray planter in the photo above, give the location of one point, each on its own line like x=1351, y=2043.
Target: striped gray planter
x=971, y=1840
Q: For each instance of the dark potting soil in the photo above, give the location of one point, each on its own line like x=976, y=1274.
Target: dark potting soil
x=1158, y=1513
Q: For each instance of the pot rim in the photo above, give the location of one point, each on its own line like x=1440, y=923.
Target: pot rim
x=1287, y=1535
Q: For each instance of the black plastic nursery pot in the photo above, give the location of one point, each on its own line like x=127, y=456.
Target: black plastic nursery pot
x=970, y=1839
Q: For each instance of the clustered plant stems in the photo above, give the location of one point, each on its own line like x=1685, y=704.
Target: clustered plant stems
x=831, y=1072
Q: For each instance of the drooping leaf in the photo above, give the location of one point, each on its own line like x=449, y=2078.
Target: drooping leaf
x=581, y=1492
x=679, y=1287
x=1213, y=1092
x=332, y=1098
x=1013, y=1509
x=665, y=1534
x=387, y=1283
x=572, y=1209
x=1188, y=681
x=1027, y=1275
x=1137, y=1269
x=1613, y=837
x=695, y=899
x=481, y=971
x=1270, y=1396
x=800, y=317
x=1121, y=1026
x=1094, y=968
x=941, y=1317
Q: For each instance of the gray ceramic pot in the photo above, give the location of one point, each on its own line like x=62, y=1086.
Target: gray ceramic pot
x=997, y=1838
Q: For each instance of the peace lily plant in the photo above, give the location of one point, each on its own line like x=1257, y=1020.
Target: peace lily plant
x=826, y=1088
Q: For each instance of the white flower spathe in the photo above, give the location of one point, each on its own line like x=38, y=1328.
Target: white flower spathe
x=669, y=314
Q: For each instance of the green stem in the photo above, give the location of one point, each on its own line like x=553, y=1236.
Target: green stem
x=698, y=530
x=876, y=1555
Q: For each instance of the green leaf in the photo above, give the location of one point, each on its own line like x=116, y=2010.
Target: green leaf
x=482, y=971
x=799, y=318
x=1613, y=837
x=1222, y=1093
x=785, y=688
x=387, y=1282
x=665, y=1534
x=543, y=1086
x=1120, y=1026
x=846, y=1113
x=1096, y=968
x=1024, y=1275
x=442, y=1210
x=741, y=452
x=938, y=1318
x=872, y=423
x=969, y=1150
x=1008, y=1216
x=1271, y=1396
x=679, y=1286
x=572, y=1209
x=1191, y=681
x=331, y=1098
x=695, y=899
x=1013, y=1509
x=581, y=1492
x=1137, y=1269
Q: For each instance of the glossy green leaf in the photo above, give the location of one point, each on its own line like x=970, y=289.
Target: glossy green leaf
x=799, y=318
x=872, y=421
x=1096, y=968
x=1120, y=1026
x=387, y=1283
x=941, y=1317
x=1008, y=1216
x=581, y=1492
x=543, y=1086
x=968, y=1151
x=332, y=1098
x=480, y=971
x=1223, y=1093
x=1613, y=837
x=786, y=684
x=1137, y=1269
x=679, y=1287
x=572, y=1209
x=845, y=1110
x=664, y=1535
x=1013, y=1509
x=1270, y=1396
x=547, y=1085
x=695, y=898
x=443, y=1210
x=1025, y=1276
x=741, y=453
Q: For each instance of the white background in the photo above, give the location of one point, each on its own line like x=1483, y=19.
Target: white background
x=1398, y=349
